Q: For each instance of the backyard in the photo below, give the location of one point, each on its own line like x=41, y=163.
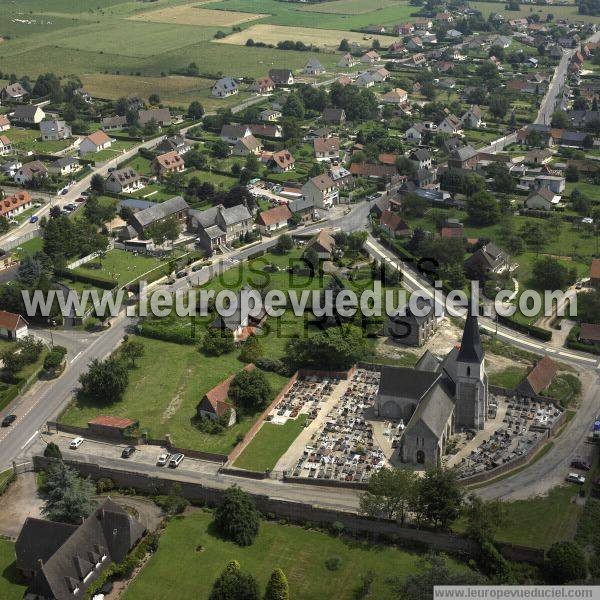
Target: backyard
x=191, y=556
x=12, y=586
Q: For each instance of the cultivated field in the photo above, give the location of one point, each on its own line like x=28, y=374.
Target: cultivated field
x=349, y=7
x=191, y=14
x=327, y=38
x=559, y=12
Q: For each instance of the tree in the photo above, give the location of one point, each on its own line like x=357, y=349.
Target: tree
x=97, y=183
x=234, y=584
x=277, y=587
x=132, y=350
x=483, y=209
x=195, y=110
x=504, y=182
x=250, y=390
x=217, y=341
x=284, y=244
x=55, y=358
x=105, y=381
x=154, y=99
x=535, y=234
x=237, y=519
x=344, y=46
x=98, y=213
x=559, y=119
x=406, y=166
x=220, y=149
x=391, y=492
x=52, y=451
x=439, y=497
x=30, y=270
x=12, y=362
x=252, y=350
x=293, y=107
x=433, y=570
x=498, y=106
x=68, y=497
x=484, y=518
x=572, y=173
x=550, y=274
x=565, y=562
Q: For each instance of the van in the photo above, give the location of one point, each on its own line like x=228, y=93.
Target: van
x=176, y=460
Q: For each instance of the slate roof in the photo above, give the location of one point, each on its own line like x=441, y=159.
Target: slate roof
x=39, y=540
x=300, y=204
x=25, y=112
x=471, y=348
x=433, y=410
x=463, y=153
x=160, y=115
x=406, y=381
x=160, y=211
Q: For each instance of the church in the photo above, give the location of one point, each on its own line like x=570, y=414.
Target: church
x=436, y=398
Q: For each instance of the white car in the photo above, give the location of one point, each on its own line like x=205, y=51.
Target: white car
x=176, y=460
x=76, y=443
x=163, y=459
x=575, y=478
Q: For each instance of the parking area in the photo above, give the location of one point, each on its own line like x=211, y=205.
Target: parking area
x=520, y=423
x=344, y=447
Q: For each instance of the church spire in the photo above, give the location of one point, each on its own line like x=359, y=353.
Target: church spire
x=471, y=348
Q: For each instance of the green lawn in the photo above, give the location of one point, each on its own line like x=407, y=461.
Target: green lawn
x=269, y=444
x=181, y=570
x=117, y=148
x=509, y=377
x=30, y=247
x=12, y=585
x=218, y=180
x=163, y=395
x=9, y=391
x=30, y=139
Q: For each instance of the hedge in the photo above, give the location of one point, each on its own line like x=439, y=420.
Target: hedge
x=532, y=330
x=574, y=343
x=166, y=335
x=96, y=280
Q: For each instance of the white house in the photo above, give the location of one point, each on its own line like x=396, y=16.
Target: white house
x=232, y=134
x=55, y=130
x=313, y=67
x=273, y=219
x=12, y=326
x=451, y=124
x=15, y=204
x=28, y=113
x=473, y=118
x=370, y=58
x=95, y=142
x=64, y=166
x=224, y=87
x=322, y=191
x=542, y=199
x=5, y=145
x=347, y=61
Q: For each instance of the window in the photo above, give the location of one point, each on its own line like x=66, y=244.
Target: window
x=468, y=371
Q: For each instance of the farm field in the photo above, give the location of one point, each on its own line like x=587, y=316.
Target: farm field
x=271, y=34
x=192, y=14
x=351, y=7
x=559, y=12
x=173, y=571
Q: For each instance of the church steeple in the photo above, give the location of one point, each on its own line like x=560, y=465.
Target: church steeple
x=471, y=348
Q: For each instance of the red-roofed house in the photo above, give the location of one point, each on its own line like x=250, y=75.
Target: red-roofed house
x=15, y=204
x=595, y=272
x=110, y=426
x=12, y=325
x=169, y=162
x=394, y=224
x=590, y=334
x=273, y=219
x=539, y=378
x=281, y=161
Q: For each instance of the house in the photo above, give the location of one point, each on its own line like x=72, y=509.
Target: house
x=247, y=145
x=341, y=177
x=273, y=219
x=323, y=244
x=538, y=379
x=488, y=260
x=542, y=199
x=496, y=62
x=175, y=207
x=538, y=156
x=123, y=181
x=404, y=29
x=444, y=17
x=217, y=226
x=595, y=273
x=224, y=87
x=463, y=157
x=436, y=398
x=473, y=118
x=30, y=171
x=116, y=122
x=83, y=95
x=5, y=145
x=501, y=41
x=12, y=326
x=395, y=96
x=215, y=403
x=232, y=134
x=113, y=427
x=397, y=47
x=28, y=113
x=415, y=44
x=263, y=85
x=264, y=130
x=326, y=148
x=370, y=58
x=420, y=158
x=453, y=34
x=412, y=328
x=281, y=77
x=302, y=207
x=556, y=183
x=269, y=114
x=347, y=61
x=10, y=167
x=65, y=165
x=169, y=162
x=321, y=189
x=174, y=143
x=423, y=24
x=393, y=224
x=95, y=142
x=383, y=172
x=452, y=228
x=416, y=132
x=55, y=130
x=380, y=75
x=451, y=124
x=10, y=206
x=61, y=561
x=365, y=80
x=281, y=161
x=590, y=334
x=336, y=116
x=4, y=123
x=160, y=116
x=13, y=92
x=242, y=325
x=313, y=67
x=417, y=59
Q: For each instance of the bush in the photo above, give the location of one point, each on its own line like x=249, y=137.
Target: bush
x=274, y=365
x=97, y=280
x=237, y=518
x=55, y=358
x=104, y=484
x=159, y=332
x=250, y=390
x=565, y=561
x=217, y=342
x=52, y=451
x=333, y=563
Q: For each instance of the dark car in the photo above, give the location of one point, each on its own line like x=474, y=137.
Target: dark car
x=8, y=420
x=581, y=464
x=127, y=452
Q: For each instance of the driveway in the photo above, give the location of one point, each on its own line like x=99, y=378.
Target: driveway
x=19, y=502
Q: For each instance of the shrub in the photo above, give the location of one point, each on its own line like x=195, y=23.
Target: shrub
x=237, y=518
x=104, y=484
x=217, y=342
x=52, y=451
x=333, y=563
x=273, y=365
x=565, y=561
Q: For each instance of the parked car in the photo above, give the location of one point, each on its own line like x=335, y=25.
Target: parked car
x=578, y=463
x=181, y=274
x=127, y=452
x=64, y=191
x=8, y=420
x=76, y=443
x=34, y=219
x=198, y=267
x=176, y=460
x=163, y=459
x=80, y=199
x=575, y=478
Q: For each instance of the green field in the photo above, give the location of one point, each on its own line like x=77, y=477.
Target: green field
x=29, y=139
x=12, y=586
x=181, y=570
x=527, y=10
x=269, y=445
